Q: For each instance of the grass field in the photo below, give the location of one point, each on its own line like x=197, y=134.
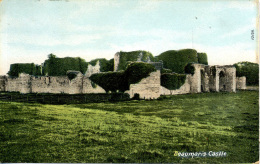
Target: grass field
x=133, y=131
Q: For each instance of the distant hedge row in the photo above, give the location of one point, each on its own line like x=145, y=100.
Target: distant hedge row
x=172, y=81
x=249, y=70
x=125, y=57
x=121, y=80
x=28, y=68
x=177, y=60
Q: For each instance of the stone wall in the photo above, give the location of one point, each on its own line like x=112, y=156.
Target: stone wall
x=13, y=84
x=2, y=83
x=91, y=87
x=147, y=88
x=50, y=84
x=93, y=69
x=226, y=78
x=204, y=80
x=241, y=82
x=195, y=79
x=116, y=61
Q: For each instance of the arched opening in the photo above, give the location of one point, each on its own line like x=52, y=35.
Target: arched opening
x=222, y=82
x=202, y=78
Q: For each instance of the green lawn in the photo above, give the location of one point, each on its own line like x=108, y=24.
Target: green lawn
x=133, y=131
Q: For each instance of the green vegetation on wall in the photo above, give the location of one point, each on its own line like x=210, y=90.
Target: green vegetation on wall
x=164, y=70
x=105, y=65
x=55, y=66
x=202, y=58
x=125, y=57
x=113, y=81
x=189, y=68
x=172, y=81
x=177, y=60
x=249, y=70
x=135, y=72
x=28, y=68
x=110, y=81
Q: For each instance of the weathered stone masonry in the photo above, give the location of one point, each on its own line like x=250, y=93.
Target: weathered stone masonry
x=49, y=84
x=205, y=79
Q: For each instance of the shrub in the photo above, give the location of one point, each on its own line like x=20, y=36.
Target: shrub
x=202, y=58
x=133, y=56
x=172, y=81
x=177, y=60
x=189, y=68
x=249, y=70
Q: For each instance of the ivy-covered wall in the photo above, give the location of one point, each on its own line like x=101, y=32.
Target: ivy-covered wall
x=105, y=65
x=126, y=57
x=172, y=81
x=121, y=80
x=189, y=68
x=55, y=66
x=202, y=58
x=177, y=60
x=28, y=68
x=249, y=70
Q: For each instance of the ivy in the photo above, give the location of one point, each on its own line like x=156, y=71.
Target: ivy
x=172, y=81
x=189, y=68
x=177, y=60
x=55, y=66
x=105, y=65
x=202, y=58
x=28, y=68
x=164, y=70
x=121, y=80
x=125, y=57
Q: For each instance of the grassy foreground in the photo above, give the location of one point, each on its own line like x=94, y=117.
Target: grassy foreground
x=133, y=131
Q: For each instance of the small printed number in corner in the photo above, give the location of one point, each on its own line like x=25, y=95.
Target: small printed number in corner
x=252, y=34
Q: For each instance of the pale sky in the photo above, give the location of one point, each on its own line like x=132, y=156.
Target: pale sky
x=32, y=29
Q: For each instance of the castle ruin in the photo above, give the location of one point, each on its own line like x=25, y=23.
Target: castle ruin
x=205, y=79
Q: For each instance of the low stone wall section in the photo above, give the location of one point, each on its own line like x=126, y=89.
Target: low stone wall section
x=241, y=82
x=147, y=88
x=50, y=84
